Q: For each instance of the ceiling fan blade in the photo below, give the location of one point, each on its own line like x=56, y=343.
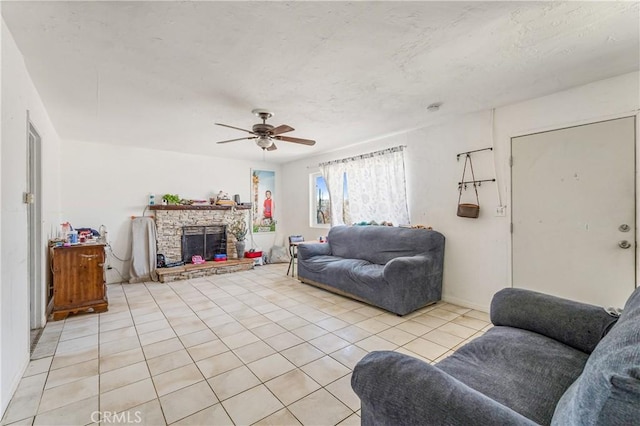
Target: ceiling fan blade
x=233, y=127
x=273, y=147
x=281, y=129
x=295, y=140
x=238, y=139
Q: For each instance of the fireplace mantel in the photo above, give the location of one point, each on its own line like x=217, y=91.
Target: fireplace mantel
x=207, y=207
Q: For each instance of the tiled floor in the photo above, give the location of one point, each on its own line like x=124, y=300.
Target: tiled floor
x=253, y=347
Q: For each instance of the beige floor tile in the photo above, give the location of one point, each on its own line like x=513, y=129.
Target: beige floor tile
x=332, y=324
x=24, y=403
x=148, y=413
x=117, y=334
x=372, y=325
x=206, y=350
x=329, y=343
x=458, y=330
x=325, y=370
x=444, y=314
x=214, y=415
x=342, y=390
x=279, y=315
x=252, y=405
x=198, y=338
x=114, y=325
x=148, y=327
x=24, y=422
x=253, y=352
x=177, y=379
x=352, y=420
x=187, y=401
x=120, y=345
x=279, y=418
x=120, y=359
x=454, y=308
x=77, y=413
x=375, y=343
x=443, y=338
x=352, y=333
x=268, y=330
x=78, y=344
x=255, y=321
x=473, y=323
x=430, y=321
x=352, y=317
x=233, y=382
x=349, y=356
x=426, y=348
x=396, y=336
x=271, y=366
x=283, y=341
x=128, y=396
x=170, y=361
x=292, y=322
x=76, y=332
x=414, y=327
x=241, y=339
x=302, y=354
x=406, y=351
x=309, y=332
x=162, y=348
x=229, y=329
x=218, y=364
x=149, y=314
x=69, y=393
x=73, y=358
x=320, y=408
x=123, y=376
x=482, y=316
x=38, y=366
x=72, y=373
x=292, y=386
x=156, y=336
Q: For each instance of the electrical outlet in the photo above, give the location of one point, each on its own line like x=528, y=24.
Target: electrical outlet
x=501, y=211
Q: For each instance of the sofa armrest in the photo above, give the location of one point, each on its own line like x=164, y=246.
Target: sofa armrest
x=308, y=250
x=396, y=389
x=576, y=324
x=408, y=267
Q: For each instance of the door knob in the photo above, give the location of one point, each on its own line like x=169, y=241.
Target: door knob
x=624, y=228
x=624, y=244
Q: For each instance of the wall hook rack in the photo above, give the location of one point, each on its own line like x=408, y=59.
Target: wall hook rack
x=470, y=152
x=479, y=182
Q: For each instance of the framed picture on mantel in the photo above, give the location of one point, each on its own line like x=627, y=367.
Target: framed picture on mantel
x=263, y=183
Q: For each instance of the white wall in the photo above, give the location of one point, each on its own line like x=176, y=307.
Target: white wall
x=478, y=251
x=19, y=96
x=107, y=184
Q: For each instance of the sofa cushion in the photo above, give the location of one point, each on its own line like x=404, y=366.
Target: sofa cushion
x=522, y=370
x=608, y=390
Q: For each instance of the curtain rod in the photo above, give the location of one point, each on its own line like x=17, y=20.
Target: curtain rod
x=398, y=148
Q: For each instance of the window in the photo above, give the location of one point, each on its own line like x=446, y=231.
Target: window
x=320, y=212
x=371, y=188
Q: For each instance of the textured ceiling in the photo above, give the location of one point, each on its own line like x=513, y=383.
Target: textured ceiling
x=160, y=74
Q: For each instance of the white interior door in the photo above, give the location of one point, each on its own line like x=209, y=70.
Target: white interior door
x=573, y=207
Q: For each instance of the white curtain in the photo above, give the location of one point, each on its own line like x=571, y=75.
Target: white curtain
x=376, y=187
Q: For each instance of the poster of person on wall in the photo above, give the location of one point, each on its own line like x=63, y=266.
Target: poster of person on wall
x=262, y=195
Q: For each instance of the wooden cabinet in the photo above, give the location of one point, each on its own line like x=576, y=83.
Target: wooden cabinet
x=77, y=280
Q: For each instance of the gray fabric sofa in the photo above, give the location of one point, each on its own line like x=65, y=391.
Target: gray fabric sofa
x=397, y=269
x=546, y=361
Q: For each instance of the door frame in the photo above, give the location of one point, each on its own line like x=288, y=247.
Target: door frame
x=35, y=275
x=636, y=115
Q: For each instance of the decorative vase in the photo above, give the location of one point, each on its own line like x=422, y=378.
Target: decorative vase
x=240, y=249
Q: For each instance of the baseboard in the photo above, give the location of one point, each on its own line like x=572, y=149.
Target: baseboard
x=464, y=303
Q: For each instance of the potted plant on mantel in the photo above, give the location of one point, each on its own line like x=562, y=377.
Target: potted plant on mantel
x=238, y=228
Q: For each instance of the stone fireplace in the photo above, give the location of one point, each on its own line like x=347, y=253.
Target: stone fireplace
x=170, y=221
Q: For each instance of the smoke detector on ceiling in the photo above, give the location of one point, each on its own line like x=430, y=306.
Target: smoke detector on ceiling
x=434, y=107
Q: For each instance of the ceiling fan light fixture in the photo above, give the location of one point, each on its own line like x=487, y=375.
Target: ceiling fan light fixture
x=264, y=141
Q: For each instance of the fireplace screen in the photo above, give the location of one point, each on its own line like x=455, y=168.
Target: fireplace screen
x=205, y=241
